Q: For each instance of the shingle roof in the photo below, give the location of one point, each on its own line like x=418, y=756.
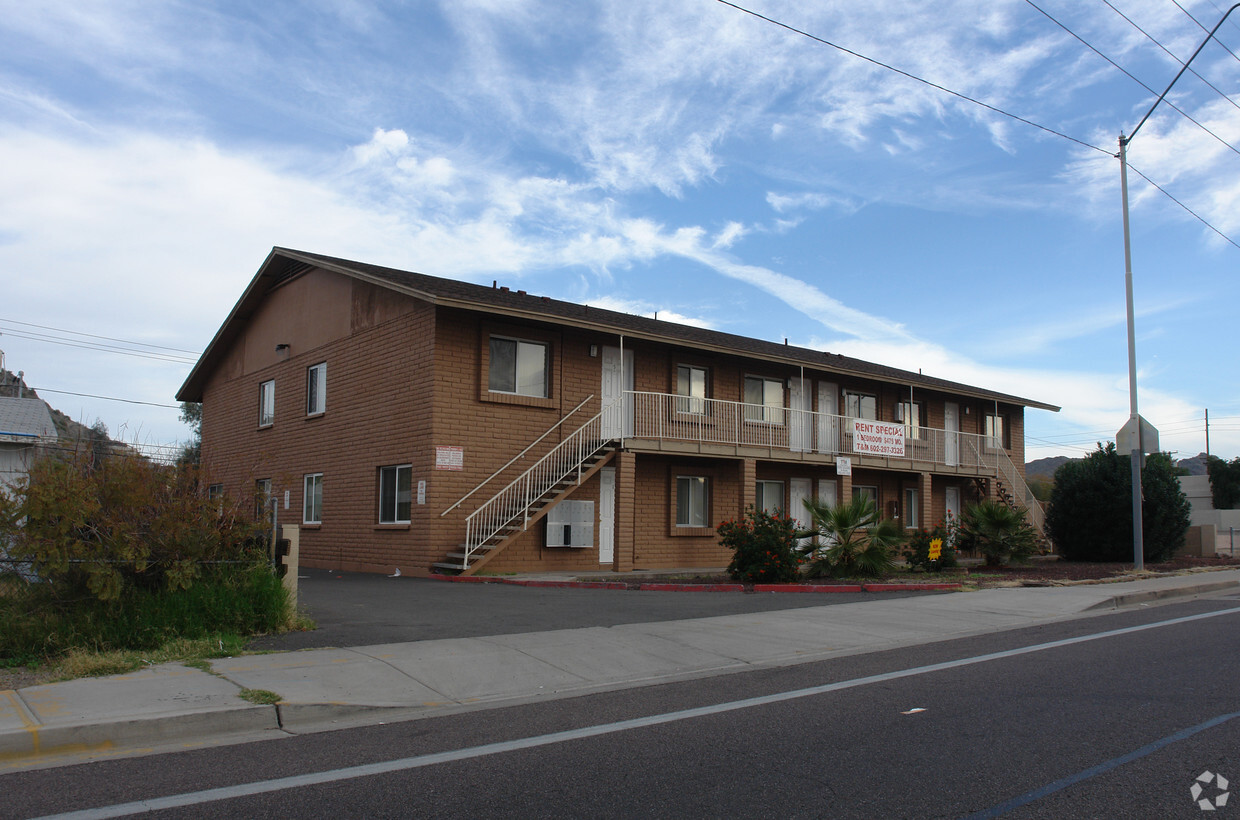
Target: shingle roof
x=25, y=418
x=284, y=263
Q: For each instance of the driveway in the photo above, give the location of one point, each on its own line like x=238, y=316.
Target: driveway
x=361, y=609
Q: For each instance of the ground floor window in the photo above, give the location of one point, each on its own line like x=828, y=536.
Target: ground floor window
x=262, y=498
x=394, y=494
x=864, y=491
x=910, y=508
x=769, y=496
x=691, y=496
x=313, y=499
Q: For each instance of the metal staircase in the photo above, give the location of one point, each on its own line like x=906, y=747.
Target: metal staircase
x=529, y=497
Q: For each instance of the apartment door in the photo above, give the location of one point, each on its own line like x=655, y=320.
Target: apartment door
x=951, y=439
x=800, y=490
x=607, y=515
x=617, y=404
x=828, y=417
x=800, y=427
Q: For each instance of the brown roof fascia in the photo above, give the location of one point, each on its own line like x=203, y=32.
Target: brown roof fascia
x=468, y=296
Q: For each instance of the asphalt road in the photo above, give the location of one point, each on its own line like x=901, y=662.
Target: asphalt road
x=361, y=609
x=1071, y=720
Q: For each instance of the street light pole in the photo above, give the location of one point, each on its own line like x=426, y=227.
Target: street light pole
x=1138, y=545
x=1138, y=533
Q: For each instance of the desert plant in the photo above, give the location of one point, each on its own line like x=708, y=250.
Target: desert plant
x=850, y=540
x=762, y=547
x=999, y=532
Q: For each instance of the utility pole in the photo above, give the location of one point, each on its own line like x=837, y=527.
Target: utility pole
x=1137, y=451
x=1207, y=434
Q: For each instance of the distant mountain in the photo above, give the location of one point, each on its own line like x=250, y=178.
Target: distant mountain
x=1046, y=467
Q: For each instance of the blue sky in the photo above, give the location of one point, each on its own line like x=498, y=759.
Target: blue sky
x=685, y=158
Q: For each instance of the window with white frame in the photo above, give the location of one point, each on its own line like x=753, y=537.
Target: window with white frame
x=395, y=495
x=860, y=405
x=770, y=496
x=313, y=499
x=316, y=389
x=863, y=491
x=913, y=416
x=764, y=399
x=262, y=498
x=267, y=403
x=691, y=497
x=518, y=366
x=996, y=432
x=910, y=509
x=691, y=386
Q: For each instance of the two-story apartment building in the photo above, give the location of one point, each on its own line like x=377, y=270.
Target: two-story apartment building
x=412, y=422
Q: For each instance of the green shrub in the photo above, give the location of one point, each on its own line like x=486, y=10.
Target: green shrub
x=917, y=549
x=1090, y=513
x=850, y=540
x=38, y=623
x=762, y=547
x=998, y=532
x=100, y=527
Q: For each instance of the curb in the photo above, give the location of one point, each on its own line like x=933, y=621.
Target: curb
x=671, y=586
x=32, y=743
x=1131, y=598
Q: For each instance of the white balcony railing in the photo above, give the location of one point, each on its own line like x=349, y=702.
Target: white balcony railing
x=669, y=418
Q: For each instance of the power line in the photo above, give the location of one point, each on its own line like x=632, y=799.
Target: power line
x=1151, y=38
x=915, y=78
x=1128, y=74
x=1188, y=14
x=106, y=338
x=990, y=107
x=105, y=398
x=84, y=345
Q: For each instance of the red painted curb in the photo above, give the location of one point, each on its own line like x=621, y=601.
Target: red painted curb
x=807, y=588
x=692, y=587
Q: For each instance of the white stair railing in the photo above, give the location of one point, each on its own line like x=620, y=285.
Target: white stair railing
x=1021, y=491
x=514, y=501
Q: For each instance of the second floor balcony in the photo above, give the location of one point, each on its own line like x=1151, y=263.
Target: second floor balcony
x=701, y=426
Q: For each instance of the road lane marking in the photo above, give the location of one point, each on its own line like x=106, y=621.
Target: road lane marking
x=455, y=755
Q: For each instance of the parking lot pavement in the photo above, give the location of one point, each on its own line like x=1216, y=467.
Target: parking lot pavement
x=362, y=609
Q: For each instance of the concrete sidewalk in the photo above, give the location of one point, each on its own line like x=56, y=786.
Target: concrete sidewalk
x=174, y=706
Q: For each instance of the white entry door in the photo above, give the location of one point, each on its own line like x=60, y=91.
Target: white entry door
x=799, y=491
x=951, y=441
x=828, y=417
x=618, y=410
x=607, y=515
x=800, y=427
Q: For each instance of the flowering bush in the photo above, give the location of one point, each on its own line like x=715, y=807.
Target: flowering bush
x=762, y=547
x=917, y=548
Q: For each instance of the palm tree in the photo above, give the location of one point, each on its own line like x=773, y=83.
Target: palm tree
x=852, y=540
x=999, y=532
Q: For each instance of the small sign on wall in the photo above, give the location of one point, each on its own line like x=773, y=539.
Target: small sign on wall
x=843, y=466
x=449, y=458
x=422, y=492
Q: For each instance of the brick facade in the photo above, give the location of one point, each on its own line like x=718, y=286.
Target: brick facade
x=407, y=383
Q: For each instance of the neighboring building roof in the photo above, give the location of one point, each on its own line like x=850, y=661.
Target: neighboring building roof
x=25, y=419
x=283, y=264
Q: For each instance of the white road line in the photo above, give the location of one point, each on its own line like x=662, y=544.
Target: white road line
x=407, y=763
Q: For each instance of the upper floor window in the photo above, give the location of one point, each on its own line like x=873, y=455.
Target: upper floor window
x=765, y=398
x=395, y=494
x=691, y=384
x=518, y=366
x=267, y=403
x=997, y=432
x=316, y=389
x=860, y=406
x=913, y=415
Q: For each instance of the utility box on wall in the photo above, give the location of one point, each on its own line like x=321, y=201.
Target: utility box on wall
x=571, y=524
